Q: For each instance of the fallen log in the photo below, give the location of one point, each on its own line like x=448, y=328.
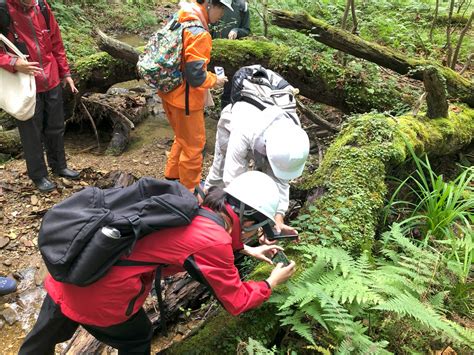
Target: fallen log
x=10, y=142
x=458, y=87
x=345, y=197
x=180, y=292
x=124, y=111
x=315, y=77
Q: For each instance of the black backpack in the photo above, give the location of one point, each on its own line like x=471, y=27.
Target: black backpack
x=5, y=19
x=72, y=240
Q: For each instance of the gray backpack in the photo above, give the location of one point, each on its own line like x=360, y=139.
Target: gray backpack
x=263, y=88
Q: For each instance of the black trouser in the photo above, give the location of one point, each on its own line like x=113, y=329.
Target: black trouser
x=46, y=126
x=52, y=327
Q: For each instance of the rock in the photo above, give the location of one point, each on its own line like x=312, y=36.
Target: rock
x=40, y=275
x=2, y=324
x=4, y=242
x=34, y=200
x=10, y=315
x=7, y=262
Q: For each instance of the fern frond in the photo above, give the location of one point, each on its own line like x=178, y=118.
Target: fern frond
x=303, y=329
x=313, y=273
x=337, y=258
x=407, y=305
x=314, y=310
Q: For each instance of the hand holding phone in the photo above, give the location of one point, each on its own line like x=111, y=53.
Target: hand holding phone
x=280, y=257
x=280, y=236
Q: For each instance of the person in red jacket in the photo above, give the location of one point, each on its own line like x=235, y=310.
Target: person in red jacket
x=41, y=39
x=111, y=308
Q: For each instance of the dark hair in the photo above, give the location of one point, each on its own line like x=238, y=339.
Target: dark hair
x=216, y=199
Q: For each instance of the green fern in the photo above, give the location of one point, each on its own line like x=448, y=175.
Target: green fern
x=337, y=290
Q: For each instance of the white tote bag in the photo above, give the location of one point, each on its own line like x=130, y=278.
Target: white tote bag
x=17, y=90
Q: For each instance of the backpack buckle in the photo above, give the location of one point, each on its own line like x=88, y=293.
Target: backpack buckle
x=134, y=220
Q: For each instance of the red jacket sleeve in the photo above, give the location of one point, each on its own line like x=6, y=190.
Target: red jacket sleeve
x=215, y=267
x=58, y=47
x=7, y=62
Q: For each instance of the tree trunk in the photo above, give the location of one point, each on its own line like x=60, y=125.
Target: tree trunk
x=345, y=197
x=436, y=94
x=316, y=78
x=457, y=86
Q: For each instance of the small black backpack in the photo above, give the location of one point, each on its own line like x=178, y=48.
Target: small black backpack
x=72, y=240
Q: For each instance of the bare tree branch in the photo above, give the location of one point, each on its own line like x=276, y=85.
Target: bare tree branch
x=460, y=40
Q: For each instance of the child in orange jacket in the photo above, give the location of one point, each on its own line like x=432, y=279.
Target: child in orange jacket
x=184, y=106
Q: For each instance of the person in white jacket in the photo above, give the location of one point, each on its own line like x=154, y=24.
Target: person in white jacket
x=270, y=141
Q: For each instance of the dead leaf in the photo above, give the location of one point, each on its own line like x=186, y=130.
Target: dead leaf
x=4, y=242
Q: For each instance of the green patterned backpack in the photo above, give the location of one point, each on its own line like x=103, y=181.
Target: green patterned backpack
x=160, y=64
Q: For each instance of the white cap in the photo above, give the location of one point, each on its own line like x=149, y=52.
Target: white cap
x=287, y=148
x=228, y=4
x=257, y=190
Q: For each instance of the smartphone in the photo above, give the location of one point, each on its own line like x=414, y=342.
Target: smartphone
x=280, y=257
x=219, y=71
x=279, y=236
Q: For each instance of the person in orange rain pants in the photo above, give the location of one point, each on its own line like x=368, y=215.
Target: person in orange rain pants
x=184, y=106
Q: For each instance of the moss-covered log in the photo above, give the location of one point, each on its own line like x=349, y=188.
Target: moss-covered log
x=458, y=87
x=10, y=142
x=345, y=199
x=317, y=78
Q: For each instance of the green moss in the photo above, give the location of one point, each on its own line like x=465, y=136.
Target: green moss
x=358, y=87
x=353, y=171
x=101, y=64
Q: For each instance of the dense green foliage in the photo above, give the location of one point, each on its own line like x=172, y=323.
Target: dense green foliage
x=401, y=24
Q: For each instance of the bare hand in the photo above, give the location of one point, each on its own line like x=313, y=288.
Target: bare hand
x=281, y=227
x=26, y=67
x=262, y=252
x=68, y=81
x=232, y=35
x=281, y=274
x=221, y=80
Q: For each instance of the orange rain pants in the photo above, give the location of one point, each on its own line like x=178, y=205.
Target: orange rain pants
x=185, y=159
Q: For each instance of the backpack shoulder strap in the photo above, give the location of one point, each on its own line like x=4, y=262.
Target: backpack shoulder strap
x=4, y=18
x=44, y=11
x=212, y=216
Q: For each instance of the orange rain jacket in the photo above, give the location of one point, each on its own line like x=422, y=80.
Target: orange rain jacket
x=197, y=45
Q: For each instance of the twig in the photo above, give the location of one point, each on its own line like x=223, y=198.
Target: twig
x=355, y=24
x=448, y=35
x=467, y=65
x=320, y=151
x=461, y=38
x=315, y=118
x=93, y=124
x=435, y=18
x=121, y=115
x=418, y=104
